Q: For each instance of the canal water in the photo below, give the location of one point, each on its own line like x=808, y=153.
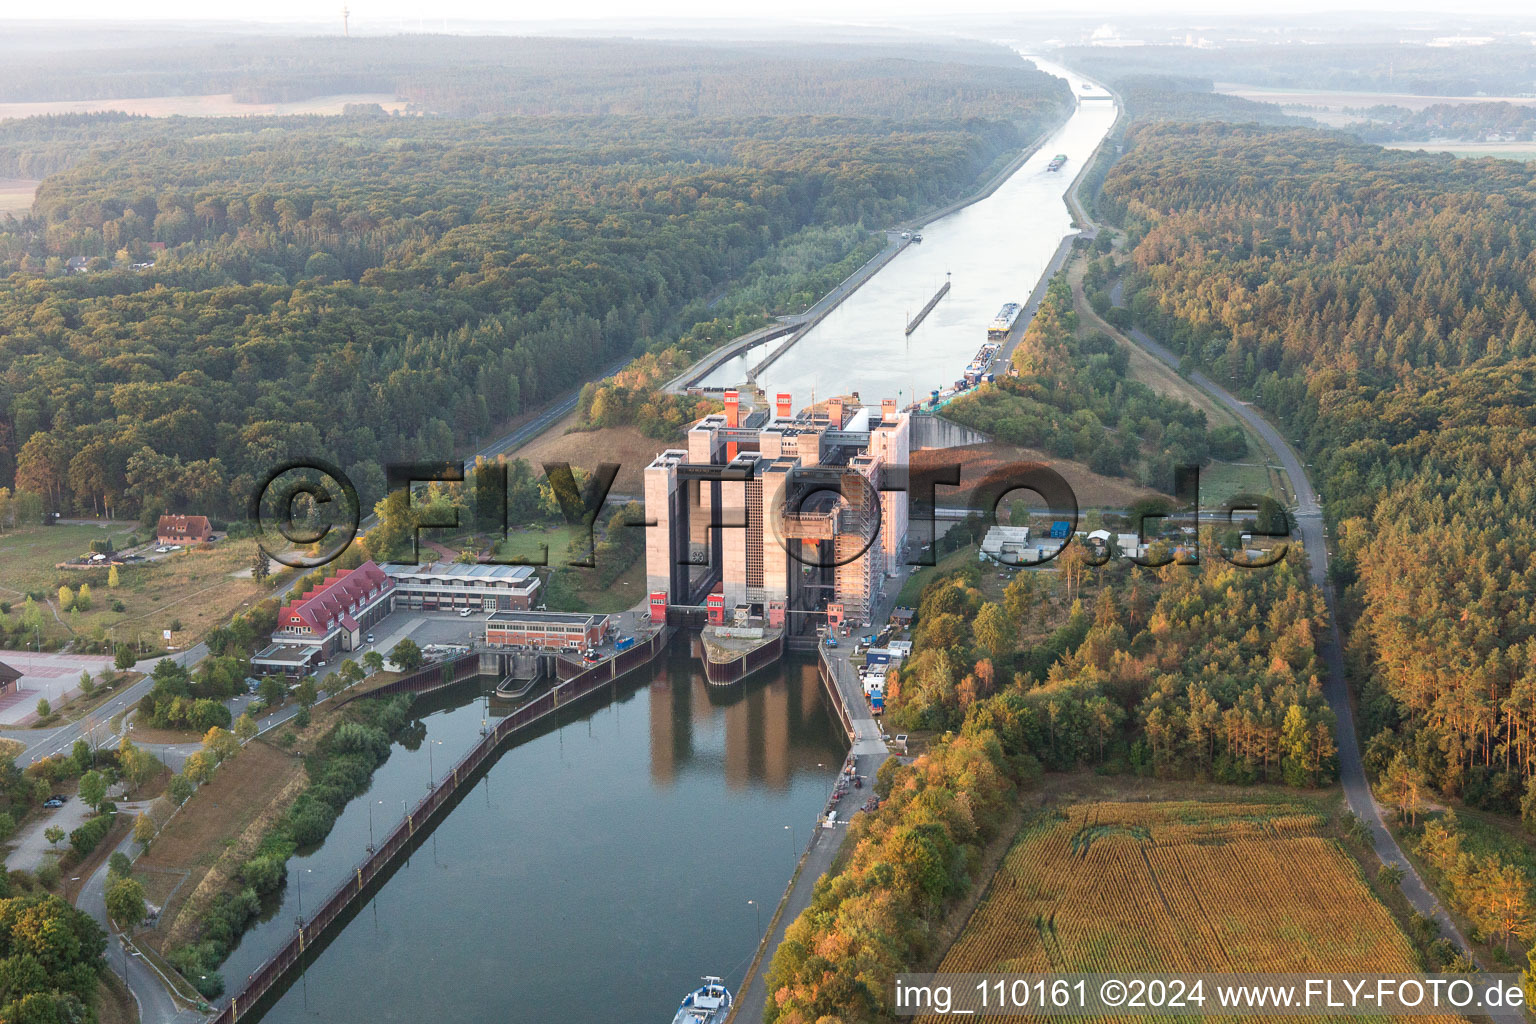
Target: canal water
x=594, y=874
x=993, y=252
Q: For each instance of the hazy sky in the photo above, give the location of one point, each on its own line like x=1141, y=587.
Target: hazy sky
x=379, y=14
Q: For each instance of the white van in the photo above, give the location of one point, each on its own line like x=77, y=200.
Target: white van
x=465, y=613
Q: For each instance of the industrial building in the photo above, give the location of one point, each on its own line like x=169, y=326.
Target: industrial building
x=552, y=630
x=779, y=518
x=457, y=585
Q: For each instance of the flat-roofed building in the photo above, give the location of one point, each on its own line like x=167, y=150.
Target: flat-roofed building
x=288, y=659
x=554, y=630
x=456, y=585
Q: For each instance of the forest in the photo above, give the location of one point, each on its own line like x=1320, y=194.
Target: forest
x=1497, y=69
x=1379, y=304
x=1462, y=121
x=370, y=289
x=1074, y=398
x=821, y=73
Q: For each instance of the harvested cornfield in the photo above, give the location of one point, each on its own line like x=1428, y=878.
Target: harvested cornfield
x=1179, y=887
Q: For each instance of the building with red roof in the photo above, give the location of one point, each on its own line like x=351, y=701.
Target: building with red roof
x=330, y=617
x=183, y=530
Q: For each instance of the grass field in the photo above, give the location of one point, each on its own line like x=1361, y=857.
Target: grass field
x=530, y=544
x=16, y=195
x=194, y=587
x=1219, y=887
x=1456, y=147
x=1329, y=105
x=627, y=446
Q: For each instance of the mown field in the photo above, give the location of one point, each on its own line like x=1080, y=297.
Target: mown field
x=1179, y=887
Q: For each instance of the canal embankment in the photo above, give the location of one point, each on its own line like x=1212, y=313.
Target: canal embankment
x=868, y=752
x=312, y=931
x=792, y=329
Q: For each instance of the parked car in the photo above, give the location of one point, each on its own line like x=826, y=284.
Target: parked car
x=370, y=638
x=465, y=613
x=56, y=801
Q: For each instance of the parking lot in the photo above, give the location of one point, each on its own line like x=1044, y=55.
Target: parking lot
x=54, y=676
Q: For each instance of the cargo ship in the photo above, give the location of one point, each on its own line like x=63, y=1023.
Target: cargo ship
x=1003, y=322
x=710, y=1003
x=1056, y=162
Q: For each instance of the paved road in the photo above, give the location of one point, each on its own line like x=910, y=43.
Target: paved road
x=42, y=743
x=542, y=422
x=155, y=1003
x=1309, y=523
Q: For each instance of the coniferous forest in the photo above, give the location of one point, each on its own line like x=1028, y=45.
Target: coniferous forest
x=1380, y=305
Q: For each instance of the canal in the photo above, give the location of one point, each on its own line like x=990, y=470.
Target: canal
x=594, y=873
x=993, y=252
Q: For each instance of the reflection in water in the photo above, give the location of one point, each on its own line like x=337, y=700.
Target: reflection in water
x=573, y=883
x=764, y=719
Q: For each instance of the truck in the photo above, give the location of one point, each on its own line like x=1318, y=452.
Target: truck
x=876, y=702
x=623, y=643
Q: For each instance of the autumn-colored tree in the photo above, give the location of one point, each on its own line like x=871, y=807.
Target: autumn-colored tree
x=1403, y=784
x=1498, y=897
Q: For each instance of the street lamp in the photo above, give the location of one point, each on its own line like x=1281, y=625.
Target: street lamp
x=757, y=913
x=793, y=846
x=370, y=824
x=431, y=769
x=299, y=880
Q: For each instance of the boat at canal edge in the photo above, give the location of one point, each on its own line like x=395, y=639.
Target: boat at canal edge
x=710, y=1003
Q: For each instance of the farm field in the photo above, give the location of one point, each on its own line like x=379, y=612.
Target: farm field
x=16, y=195
x=213, y=105
x=1331, y=103
x=1220, y=887
x=1457, y=147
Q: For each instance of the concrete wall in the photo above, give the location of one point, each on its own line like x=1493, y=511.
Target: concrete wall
x=938, y=432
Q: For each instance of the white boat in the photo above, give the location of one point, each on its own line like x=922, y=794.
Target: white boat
x=710, y=1003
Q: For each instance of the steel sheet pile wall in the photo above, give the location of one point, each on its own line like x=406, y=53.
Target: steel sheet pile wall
x=829, y=681
x=271, y=973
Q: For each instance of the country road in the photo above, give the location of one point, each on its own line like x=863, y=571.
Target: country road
x=1309, y=523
